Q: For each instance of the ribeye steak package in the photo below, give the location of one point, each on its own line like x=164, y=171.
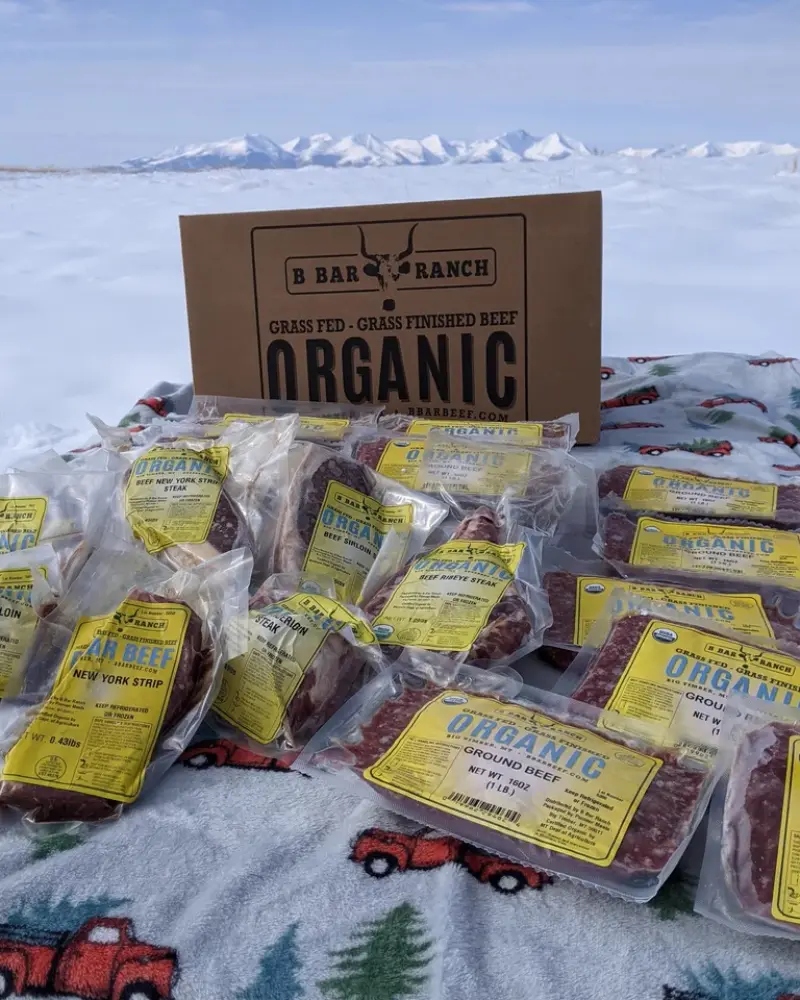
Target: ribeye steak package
x=558, y=433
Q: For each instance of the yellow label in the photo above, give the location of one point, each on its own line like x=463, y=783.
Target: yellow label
x=245, y=418
x=786, y=892
x=525, y=433
x=482, y=470
x=678, y=678
x=519, y=772
x=96, y=731
x=682, y=493
x=593, y=598
x=21, y=520
x=348, y=535
x=323, y=428
x=172, y=494
x=401, y=461
x=284, y=641
x=445, y=598
x=18, y=623
x=761, y=553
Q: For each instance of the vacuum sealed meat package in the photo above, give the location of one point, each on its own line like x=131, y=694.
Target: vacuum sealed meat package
x=559, y=433
x=751, y=867
x=652, y=669
x=703, y=548
x=29, y=582
x=520, y=772
x=330, y=424
x=476, y=597
x=127, y=669
x=66, y=509
x=337, y=513
x=306, y=654
x=755, y=494
x=189, y=496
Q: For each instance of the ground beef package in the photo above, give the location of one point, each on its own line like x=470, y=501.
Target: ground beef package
x=129, y=664
x=337, y=514
x=654, y=668
x=330, y=424
x=475, y=597
x=700, y=550
x=306, y=654
x=752, y=494
x=29, y=583
x=517, y=771
x=191, y=493
x=751, y=867
x=559, y=433
x=66, y=509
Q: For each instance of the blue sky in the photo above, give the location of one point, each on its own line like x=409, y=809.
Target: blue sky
x=97, y=81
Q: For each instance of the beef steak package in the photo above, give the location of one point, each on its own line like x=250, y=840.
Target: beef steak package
x=476, y=597
x=188, y=496
x=306, y=654
x=680, y=487
x=560, y=433
x=337, y=513
x=66, y=509
x=751, y=866
x=325, y=423
x=701, y=549
x=517, y=771
x=29, y=581
x=655, y=669
x=129, y=664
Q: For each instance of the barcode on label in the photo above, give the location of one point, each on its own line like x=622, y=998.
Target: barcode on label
x=509, y=815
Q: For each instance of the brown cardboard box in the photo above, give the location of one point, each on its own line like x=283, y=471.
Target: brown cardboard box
x=486, y=309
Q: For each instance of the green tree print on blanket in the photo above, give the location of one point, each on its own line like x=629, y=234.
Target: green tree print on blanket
x=277, y=975
x=676, y=897
x=662, y=370
x=48, y=846
x=386, y=961
x=793, y=420
x=794, y=395
x=62, y=914
x=713, y=984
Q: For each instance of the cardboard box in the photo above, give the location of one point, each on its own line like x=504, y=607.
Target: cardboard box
x=482, y=310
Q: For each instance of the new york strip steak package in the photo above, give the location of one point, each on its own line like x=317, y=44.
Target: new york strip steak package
x=701, y=549
x=306, y=653
x=559, y=433
x=337, y=513
x=751, y=866
x=654, y=669
x=121, y=680
x=517, y=771
x=678, y=487
x=330, y=424
x=189, y=495
x=475, y=597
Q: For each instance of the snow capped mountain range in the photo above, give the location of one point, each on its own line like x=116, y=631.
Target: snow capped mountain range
x=367, y=150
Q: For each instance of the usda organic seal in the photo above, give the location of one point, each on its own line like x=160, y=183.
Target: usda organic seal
x=383, y=631
x=454, y=699
x=594, y=588
x=665, y=635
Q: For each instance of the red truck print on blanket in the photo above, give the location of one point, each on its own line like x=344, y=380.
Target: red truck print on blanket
x=709, y=404
x=781, y=437
x=102, y=960
x=713, y=449
x=160, y=406
x=606, y=373
x=382, y=852
x=643, y=360
x=636, y=397
x=766, y=362
x=631, y=425
x=224, y=753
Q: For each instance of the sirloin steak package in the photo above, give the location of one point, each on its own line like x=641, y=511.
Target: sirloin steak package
x=122, y=678
x=560, y=433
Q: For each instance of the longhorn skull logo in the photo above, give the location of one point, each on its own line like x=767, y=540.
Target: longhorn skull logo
x=388, y=268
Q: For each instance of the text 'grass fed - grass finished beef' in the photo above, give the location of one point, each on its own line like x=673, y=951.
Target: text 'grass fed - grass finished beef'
x=337, y=514
x=676, y=491
x=525, y=775
x=638, y=545
x=125, y=682
x=658, y=672
x=305, y=654
x=472, y=597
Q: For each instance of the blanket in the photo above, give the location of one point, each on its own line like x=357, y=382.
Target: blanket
x=239, y=879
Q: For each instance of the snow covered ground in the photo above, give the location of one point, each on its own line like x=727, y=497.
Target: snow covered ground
x=699, y=255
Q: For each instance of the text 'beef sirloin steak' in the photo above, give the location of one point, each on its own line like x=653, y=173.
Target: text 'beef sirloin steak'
x=297, y=672
x=681, y=491
x=560, y=433
x=190, y=680
x=493, y=620
x=663, y=817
